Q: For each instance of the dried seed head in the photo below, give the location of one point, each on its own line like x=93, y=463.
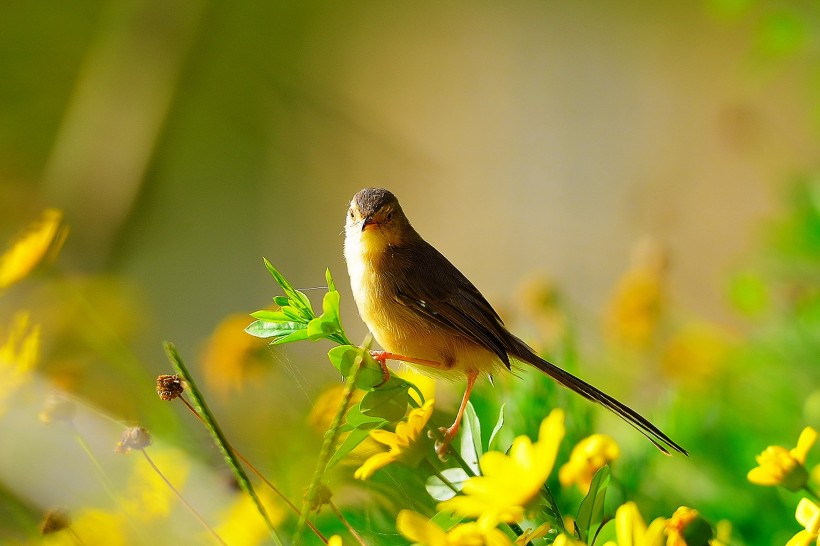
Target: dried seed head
x=133, y=438
x=55, y=520
x=321, y=496
x=169, y=386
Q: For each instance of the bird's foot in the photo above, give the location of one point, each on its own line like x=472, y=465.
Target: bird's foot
x=447, y=436
x=381, y=358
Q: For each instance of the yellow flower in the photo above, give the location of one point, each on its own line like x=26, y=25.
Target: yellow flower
x=241, y=522
x=631, y=530
x=696, y=352
x=566, y=540
x=531, y=534
x=687, y=526
x=18, y=356
x=636, y=305
x=807, y=515
x=586, y=459
x=146, y=496
x=335, y=540
x=425, y=382
x=780, y=466
x=509, y=482
x=424, y=532
x=44, y=236
x=91, y=526
x=541, y=301
x=405, y=443
x=327, y=404
x=227, y=360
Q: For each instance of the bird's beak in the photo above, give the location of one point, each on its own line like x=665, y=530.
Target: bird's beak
x=368, y=221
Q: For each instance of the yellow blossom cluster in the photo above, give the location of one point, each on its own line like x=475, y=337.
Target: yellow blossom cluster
x=786, y=467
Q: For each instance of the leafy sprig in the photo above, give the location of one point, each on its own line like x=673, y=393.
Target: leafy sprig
x=384, y=402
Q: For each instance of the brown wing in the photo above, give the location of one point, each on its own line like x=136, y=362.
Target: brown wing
x=433, y=287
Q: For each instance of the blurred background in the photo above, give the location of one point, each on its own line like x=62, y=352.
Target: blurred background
x=552, y=150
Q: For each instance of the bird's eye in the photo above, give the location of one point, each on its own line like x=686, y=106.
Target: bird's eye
x=350, y=213
x=389, y=216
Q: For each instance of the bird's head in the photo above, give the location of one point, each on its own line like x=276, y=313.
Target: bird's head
x=376, y=221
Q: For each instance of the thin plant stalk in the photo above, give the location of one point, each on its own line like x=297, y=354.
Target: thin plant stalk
x=181, y=498
x=219, y=438
x=261, y=477
x=346, y=523
x=328, y=443
x=106, y=482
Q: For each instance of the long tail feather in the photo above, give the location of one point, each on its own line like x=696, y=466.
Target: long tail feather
x=655, y=435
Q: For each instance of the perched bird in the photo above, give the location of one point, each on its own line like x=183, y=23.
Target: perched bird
x=422, y=310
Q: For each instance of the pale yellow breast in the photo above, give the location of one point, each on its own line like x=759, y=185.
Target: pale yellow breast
x=399, y=329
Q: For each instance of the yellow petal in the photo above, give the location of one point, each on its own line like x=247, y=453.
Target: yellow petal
x=803, y=538
x=372, y=464
x=549, y=440
x=390, y=439
x=655, y=533
x=807, y=439
x=45, y=236
x=808, y=515
x=762, y=476
x=418, y=528
x=629, y=525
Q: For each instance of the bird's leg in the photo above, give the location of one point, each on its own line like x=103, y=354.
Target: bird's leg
x=450, y=433
x=383, y=356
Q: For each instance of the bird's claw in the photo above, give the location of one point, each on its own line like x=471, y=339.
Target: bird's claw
x=381, y=359
x=447, y=436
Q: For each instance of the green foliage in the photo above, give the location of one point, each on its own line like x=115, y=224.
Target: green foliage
x=386, y=400
x=218, y=436
x=591, y=511
x=295, y=319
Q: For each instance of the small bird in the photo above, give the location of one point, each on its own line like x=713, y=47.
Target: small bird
x=423, y=311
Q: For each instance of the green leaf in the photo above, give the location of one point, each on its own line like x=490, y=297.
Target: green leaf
x=297, y=335
x=331, y=287
x=441, y=491
x=328, y=323
x=271, y=316
x=263, y=329
x=389, y=404
x=281, y=301
x=471, y=449
x=447, y=519
x=294, y=314
x=259, y=328
x=370, y=373
x=321, y=328
x=591, y=511
x=352, y=440
x=356, y=419
x=498, y=425
x=342, y=357
x=297, y=298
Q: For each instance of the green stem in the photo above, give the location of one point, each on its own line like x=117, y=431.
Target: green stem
x=559, y=519
x=441, y=477
x=75, y=536
x=219, y=438
x=452, y=452
x=811, y=491
x=261, y=476
x=327, y=445
x=106, y=482
x=346, y=523
x=181, y=498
